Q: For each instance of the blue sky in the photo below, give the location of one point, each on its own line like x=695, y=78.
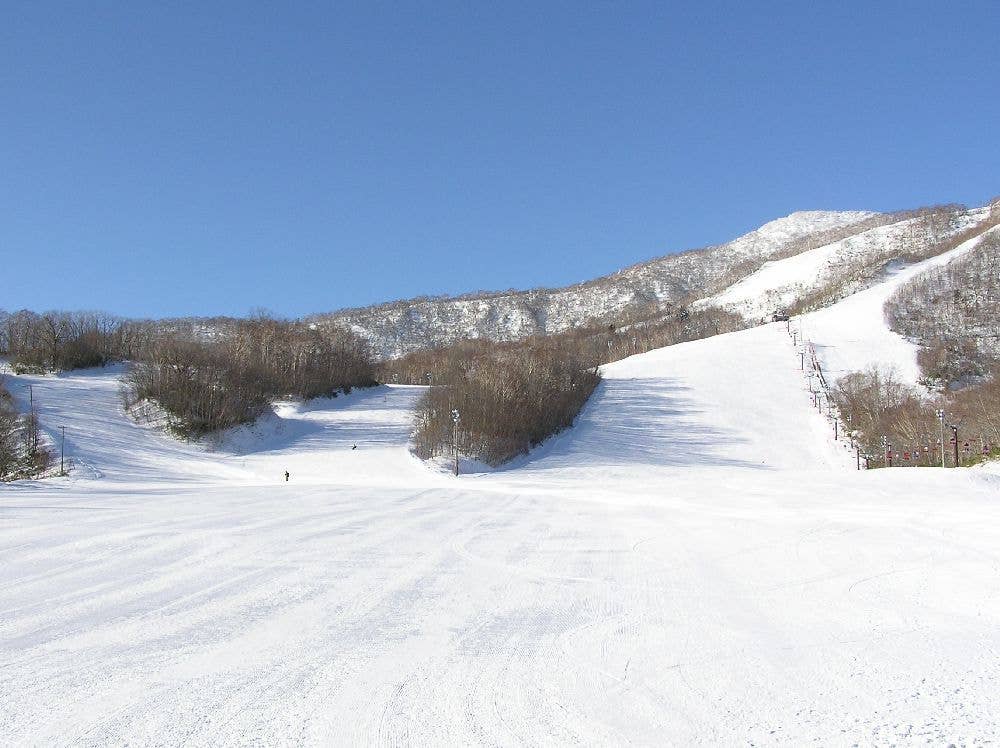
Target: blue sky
x=208, y=158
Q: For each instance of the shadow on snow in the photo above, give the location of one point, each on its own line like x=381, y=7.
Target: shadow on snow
x=642, y=422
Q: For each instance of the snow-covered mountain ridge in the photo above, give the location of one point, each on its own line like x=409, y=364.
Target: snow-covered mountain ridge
x=398, y=327
x=825, y=240
x=845, y=266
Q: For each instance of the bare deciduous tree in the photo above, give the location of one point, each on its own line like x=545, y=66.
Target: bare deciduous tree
x=880, y=407
x=22, y=454
x=210, y=384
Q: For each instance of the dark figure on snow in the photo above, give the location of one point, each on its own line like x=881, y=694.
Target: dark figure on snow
x=355, y=446
x=286, y=476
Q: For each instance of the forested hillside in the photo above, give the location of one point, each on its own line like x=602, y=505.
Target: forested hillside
x=823, y=275
x=954, y=311
x=636, y=293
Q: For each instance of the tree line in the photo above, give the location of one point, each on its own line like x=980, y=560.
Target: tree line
x=889, y=415
x=205, y=375
x=22, y=452
x=509, y=398
x=59, y=341
x=205, y=385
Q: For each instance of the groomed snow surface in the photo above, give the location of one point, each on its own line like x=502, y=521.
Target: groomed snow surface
x=695, y=563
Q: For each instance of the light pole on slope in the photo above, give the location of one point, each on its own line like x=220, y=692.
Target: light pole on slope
x=455, y=417
x=940, y=415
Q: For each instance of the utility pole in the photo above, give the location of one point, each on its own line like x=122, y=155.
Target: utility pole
x=954, y=435
x=940, y=415
x=455, y=417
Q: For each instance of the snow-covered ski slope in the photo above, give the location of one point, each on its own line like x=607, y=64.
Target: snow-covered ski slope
x=853, y=335
x=694, y=563
x=778, y=284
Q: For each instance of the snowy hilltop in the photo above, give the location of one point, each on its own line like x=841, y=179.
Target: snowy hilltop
x=858, y=240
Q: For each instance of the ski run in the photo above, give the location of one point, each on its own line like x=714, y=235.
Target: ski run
x=695, y=562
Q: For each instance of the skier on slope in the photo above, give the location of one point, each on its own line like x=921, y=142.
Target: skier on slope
x=286, y=476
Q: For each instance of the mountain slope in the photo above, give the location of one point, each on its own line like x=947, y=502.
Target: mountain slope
x=954, y=312
x=835, y=270
x=854, y=334
x=399, y=327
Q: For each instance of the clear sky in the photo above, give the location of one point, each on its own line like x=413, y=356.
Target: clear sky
x=208, y=158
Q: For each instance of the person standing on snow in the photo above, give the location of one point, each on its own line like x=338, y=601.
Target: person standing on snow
x=286, y=476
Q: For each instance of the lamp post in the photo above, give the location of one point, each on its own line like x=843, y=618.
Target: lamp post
x=940, y=415
x=455, y=417
x=954, y=436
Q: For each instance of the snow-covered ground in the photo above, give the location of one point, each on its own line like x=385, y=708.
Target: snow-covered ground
x=695, y=563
